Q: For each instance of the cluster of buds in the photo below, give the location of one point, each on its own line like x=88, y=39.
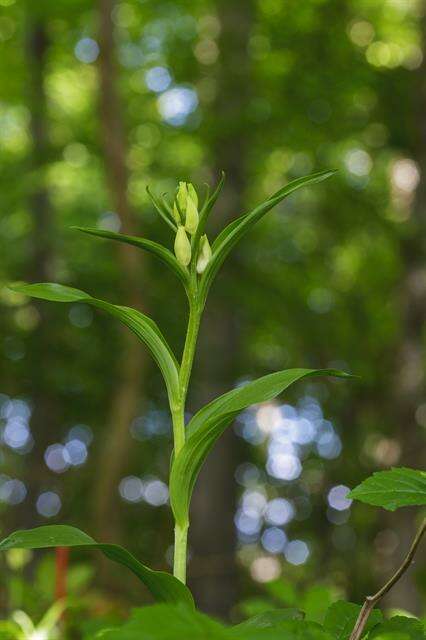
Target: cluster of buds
x=185, y=213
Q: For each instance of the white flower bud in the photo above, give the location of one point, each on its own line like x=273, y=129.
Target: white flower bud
x=182, y=247
x=182, y=195
x=204, y=255
x=192, y=193
x=191, y=218
x=181, y=198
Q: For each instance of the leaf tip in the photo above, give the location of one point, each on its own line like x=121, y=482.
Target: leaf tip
x=328, y=173
x=16, y=287
x=75, y=227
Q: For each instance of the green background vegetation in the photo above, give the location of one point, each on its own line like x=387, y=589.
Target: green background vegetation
x=100, y=99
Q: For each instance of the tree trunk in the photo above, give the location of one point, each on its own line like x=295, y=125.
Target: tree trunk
x=409, y=393
x=213, y=571
x=116, y=442
x=44, y=418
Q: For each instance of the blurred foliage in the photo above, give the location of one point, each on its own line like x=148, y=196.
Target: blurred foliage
x=332, y=83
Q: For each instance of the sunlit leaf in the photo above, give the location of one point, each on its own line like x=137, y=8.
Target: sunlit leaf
x=165, y=622
x=316, y=600
x=399, y=487
x=163, y=586
x=268, y=620
x=143, y=326
x=235, y=230
x=51, y=618
x=156, y=249
x=283, y=630
x=10, y=630
x=399, y=628
x=284, y=591
x=209, y=423
x=341, y=617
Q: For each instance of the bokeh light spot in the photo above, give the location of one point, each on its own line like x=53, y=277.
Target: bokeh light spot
x=296, y=552
x=175, y=105
x=48, y=504
x=86, y=50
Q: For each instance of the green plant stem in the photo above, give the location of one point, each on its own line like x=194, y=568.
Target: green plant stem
x=178, y=420
x=371, y=601
x=178, y=417
x=180, y=552
x=189, y=348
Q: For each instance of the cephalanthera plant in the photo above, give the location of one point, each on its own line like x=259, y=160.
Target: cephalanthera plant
x=196, y=264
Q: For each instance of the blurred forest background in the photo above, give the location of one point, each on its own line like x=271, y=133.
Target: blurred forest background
x=99, y=99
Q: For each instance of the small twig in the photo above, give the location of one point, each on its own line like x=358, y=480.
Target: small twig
x=371, y=601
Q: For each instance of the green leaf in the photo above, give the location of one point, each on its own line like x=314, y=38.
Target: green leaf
x=209, y=423
x=51, y=291
x=284, y=630
x=234, y=231
x=165, y=622
x=205, y=212
x=143, y=326
x=268, y=620
x=283, y=591
x=251, y=607
x=163, y=210
x=162, y=586
x=399, y=628
x=315, y=602
x=10, y=630
x=156, y=249
x=341, y=617
x=399, y=487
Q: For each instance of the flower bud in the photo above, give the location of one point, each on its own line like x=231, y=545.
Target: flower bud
x=176, y=214
x=182, y=246
x=192, y=193
x=204, y=255
x=181, y=198
x=191, y=218
x=182, y=195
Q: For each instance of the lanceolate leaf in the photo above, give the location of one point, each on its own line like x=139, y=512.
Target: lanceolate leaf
x=210, y=422
x=145, y=328
x=234, y=231
x=156, y=249
x=205, y=211
x=163, y=586
x=392, y=489
x=341, y=617
x=163, y=210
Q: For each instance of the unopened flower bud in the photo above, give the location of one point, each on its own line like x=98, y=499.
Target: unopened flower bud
x=191, y=218
x=181, y=199
x=182, y=195
x=182, y=247
x=204, y=255
x=176, y=214
x=192, y=193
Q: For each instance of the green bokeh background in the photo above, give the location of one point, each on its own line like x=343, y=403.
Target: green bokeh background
x=334, y=277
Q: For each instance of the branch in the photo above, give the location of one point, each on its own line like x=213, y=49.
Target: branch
x=371, y=601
